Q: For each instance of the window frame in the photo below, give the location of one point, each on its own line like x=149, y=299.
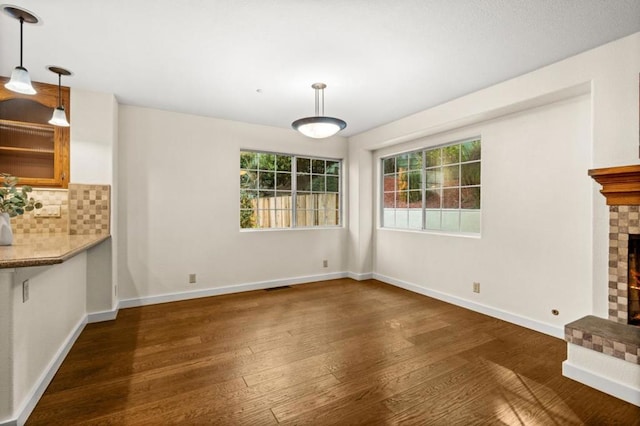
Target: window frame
x=423, y=188
x=294, y=191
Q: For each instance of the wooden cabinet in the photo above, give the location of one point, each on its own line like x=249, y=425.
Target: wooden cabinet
x=30, y=147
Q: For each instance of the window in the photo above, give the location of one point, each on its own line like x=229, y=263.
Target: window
x=270, y=182
x=433, y=189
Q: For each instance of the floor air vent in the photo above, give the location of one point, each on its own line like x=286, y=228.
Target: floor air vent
x=277, y=288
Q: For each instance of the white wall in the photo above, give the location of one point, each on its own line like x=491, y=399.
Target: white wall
x=610, y=75
x=536, y=223
x=36, y=334
x=94, y=147
x=361, y=212
x=92, y=137
x=44, y=324
x=6, y=344
x=115, y=188
x=179, y=207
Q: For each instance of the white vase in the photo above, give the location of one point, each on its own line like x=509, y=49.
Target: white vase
x=6, y=235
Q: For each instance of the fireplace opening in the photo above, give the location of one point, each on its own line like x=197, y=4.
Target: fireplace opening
x=633, y=283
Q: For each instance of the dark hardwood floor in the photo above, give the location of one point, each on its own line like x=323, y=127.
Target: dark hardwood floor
x=336, y=352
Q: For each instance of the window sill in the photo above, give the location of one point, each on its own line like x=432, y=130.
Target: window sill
x=433, y=232
x=307, y=228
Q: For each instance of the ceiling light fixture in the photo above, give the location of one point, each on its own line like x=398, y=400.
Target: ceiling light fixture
x=319, y=126
x=20, y=81
x=59, y=117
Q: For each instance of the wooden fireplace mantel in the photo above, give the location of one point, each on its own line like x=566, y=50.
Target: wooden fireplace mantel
x=620, y=185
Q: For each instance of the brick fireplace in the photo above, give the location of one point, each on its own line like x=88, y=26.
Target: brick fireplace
x=621, y=188
x=624, y=238
x=616, y=336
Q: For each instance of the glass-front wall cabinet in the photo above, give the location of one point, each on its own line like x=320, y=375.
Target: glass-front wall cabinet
x=31, y=148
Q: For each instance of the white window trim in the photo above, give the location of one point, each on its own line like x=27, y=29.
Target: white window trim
x=424, y=230
x=294, y=184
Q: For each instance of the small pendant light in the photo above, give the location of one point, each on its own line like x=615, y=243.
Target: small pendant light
x=319, y=126
x=59, y=117
x=20, y=81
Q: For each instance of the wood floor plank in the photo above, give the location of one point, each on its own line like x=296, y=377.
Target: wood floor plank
x=235, y=407
x=112, y=402
x=372, y=363
x=335, y=352
x=259, y=398
x=364, y=393
x=304, y=369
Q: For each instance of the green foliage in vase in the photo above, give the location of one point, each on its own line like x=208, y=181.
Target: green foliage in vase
x=15, y=201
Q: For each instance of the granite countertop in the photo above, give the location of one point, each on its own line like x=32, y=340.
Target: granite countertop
x=45, y=249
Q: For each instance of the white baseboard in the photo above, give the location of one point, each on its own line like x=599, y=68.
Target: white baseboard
x=360, y=277
x=604, y=384
x=45, y=378
x=542, y=327
x=102, y=316
x=237, y=288
x=194, y=294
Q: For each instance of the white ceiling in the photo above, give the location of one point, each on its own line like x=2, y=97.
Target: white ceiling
x=255, y=60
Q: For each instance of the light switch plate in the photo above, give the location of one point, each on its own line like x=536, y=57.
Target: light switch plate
x=51, y=210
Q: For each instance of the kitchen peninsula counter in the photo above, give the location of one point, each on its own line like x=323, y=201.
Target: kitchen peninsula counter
x=40, y=249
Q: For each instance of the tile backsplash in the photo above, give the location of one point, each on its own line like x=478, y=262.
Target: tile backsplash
x=28, y=223
x=89, y=209
x=84, y=209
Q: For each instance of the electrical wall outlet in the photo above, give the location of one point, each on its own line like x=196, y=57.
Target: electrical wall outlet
x=25, y=291
x=192, y=278
x=325, y=263
x=476, y=287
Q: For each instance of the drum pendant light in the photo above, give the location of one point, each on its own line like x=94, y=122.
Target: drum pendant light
x=20, y=81
x=59, y=117
x=319, y=126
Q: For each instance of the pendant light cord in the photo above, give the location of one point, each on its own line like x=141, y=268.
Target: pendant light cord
x=59, y=90
x=21, y=24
